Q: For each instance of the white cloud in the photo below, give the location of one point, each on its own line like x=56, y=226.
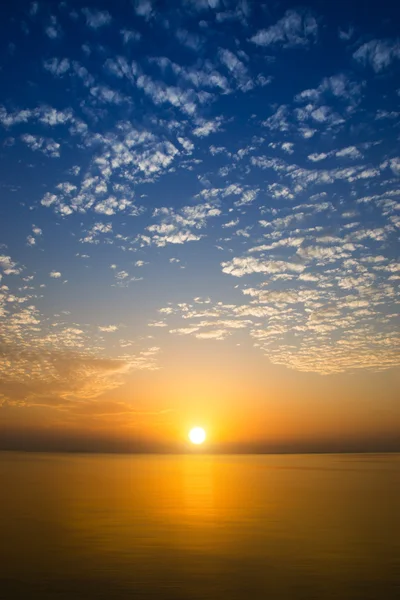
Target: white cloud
x=395, y=165
x=379, y=54
x=325, y=254
x=129, y=35
x=189, y=39
x=205, y=128
x=200, y=5
x=238, y=267
x=293, y=30
x=247, y=198
x=181, y=226
x=187, y=144
x=216, y=334
x=44, y=145
x=160, y=93
x=143, y=8
x=314, y=276
x=8, y=266
x=92, y=234
x=107, y=95
x=96, y=18
x=53, y=32
x=34, y=9
x=346, y=35
x=349, y=152
x=279, y=120
x=288, y=147
x=236, y=68
x=31, y=239
x=111, y=205
x=316, y=157
x=108, y=328
x=121, y=275
x=57, y=66
x=231, y=223
x=19, y=116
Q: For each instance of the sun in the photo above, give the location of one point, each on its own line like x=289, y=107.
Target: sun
x=197, y=435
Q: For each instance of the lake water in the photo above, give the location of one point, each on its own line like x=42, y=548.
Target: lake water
x=199, y=527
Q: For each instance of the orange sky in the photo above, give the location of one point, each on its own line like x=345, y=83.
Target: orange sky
x=242, y=402
x=199, y=225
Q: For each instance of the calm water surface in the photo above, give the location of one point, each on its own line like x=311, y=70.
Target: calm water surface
x=199, y=527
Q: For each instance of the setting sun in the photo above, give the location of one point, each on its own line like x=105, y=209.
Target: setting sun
x=197, y=435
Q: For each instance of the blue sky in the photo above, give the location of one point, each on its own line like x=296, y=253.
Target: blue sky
x=212, y=172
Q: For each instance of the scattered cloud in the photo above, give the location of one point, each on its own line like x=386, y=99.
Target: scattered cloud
x=108, y=328
x=205, y=128
x=378, y=54
x=96, y=18
x=143, y=8
x=293, y=30
x=288, y=191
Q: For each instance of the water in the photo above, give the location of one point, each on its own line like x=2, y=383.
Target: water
x=199, y=527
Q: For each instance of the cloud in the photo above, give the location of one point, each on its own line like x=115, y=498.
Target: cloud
x=395, y=165
x=47, y=146
x=111, y=205
x=307, y=315
x=143, y=8
x=53, y=31
x=96, y=18
x=56, y=66
x=190, y=40
x=8, y=119
x=31, y=239
x=379, y=54
x=278, y=297
x=217, y=334
x=279, y=120
x=8, y=266
x=325, y=254
x=92, y=234
x=309, y=265
x=187, y=144
x=34, y=8
x=160, y=93
x=201, y=5
x=43, y=115
x=108, y=328
x=232, y=223
x=238, y=267
x=349, y=152
x=247, y=198
x=63, y=379
x=293, y=30
x=129, y=35
x=339, y=86
x=316, y=157
x=181, y=226
x=237, y=68
x=108, y=96
x=205, y=128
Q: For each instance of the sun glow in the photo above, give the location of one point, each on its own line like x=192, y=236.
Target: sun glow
x=197, y=435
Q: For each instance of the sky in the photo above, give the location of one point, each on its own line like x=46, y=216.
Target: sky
x=199, y=225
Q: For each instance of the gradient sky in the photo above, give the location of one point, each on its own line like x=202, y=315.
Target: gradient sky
x=199, y=224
